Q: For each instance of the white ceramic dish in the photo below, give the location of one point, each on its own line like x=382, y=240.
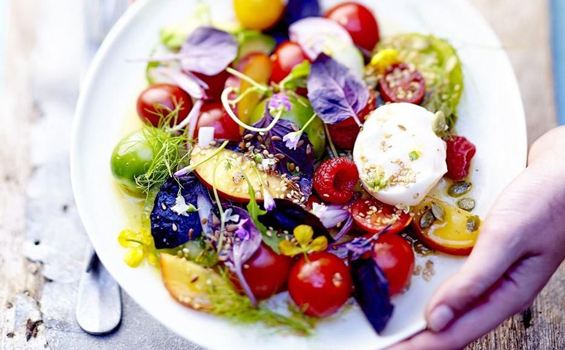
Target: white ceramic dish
x=491, y=115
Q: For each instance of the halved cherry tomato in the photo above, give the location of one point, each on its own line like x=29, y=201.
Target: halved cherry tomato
x=213, y=114
x=215, y=83
x=320, y=285
x=396, y=258
x=266, y=272
x=446, y=228
x=359, y=21
x=287, y=56
x=344, y=134
x=159, y=100
x=402, y=83
x=374, y=216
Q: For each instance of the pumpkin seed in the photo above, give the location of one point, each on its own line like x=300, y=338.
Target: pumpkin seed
x=467, y=204
x=438, y=212
x=439, y=124
x=427, y=220
x=473, y=223
x=459, y=189
x=421, y=249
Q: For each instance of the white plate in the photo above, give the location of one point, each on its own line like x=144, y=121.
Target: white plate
x=491, y=115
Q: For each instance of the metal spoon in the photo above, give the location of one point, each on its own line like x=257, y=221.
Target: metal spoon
x=99, y=304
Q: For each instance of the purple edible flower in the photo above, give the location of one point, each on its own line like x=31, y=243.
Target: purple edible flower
x=330, y=215
x=291, y=139
x=280, y=100
x=268, y=200
x=241, y=232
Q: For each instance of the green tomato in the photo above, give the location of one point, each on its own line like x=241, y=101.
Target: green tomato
x=131, y=158
x=300, y=112
x=440, y=65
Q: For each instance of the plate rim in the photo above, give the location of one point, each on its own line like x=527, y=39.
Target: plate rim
x=80, y=112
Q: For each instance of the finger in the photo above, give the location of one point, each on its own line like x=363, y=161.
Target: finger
x=500, y=245
x=508, y=296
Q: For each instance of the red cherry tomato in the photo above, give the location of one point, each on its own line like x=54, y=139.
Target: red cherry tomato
x=344, y=134
x=266, y=272
x=320, y=285
x=359, y=21
x=161, y=99
x=396, y=258
x=401, y=83
x=373, y=216
x=213, y=114
x=287, y=56
x=215, y=83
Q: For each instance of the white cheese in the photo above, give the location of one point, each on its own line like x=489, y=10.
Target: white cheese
x=399, y=157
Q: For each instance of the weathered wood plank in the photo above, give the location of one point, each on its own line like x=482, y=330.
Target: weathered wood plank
x=40, y=88
x=523, y=28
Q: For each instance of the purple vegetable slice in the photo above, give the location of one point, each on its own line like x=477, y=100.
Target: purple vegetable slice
x=372, y=292
x=171, y=226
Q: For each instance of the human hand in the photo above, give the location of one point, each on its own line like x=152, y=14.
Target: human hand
x=521, y=245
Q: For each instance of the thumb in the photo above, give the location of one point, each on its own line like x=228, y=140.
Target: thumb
x=500, y=245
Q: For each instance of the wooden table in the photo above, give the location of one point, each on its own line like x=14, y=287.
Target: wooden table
x=42, y=240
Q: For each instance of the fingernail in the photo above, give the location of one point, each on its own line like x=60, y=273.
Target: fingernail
x=440, y=318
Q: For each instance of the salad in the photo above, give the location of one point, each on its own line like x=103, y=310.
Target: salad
x=296, y=153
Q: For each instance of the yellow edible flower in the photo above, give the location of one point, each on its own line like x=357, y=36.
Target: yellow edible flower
x=384, y=59
x=304, y=244
x=140, y=245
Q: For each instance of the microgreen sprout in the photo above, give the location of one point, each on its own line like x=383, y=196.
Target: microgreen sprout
x=333, y=152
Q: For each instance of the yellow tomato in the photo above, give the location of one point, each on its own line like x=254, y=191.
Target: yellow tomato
x=446, y=228
x=258, y=14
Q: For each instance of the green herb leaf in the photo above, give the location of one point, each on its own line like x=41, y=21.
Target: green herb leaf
x=239, y=309
x=297, y=77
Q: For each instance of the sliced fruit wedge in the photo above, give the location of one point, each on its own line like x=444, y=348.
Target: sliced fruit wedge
x=446, y=228
x=189, y=282
x=230, y=181
x=258, y=67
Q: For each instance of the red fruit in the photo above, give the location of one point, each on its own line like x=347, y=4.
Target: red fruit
x=287, y=56
x=213, y=114
x=373, y=216
x=344, y=137
x=402, y=84
x=159, y=100
x=320, y=285
x=335, y=179
x=345, y=133
x=215, y=83
x=396, y=258
x=460, y=152
x=359, y=21
x=266, y=272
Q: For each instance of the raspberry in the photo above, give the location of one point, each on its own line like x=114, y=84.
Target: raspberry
x=460, y=152
x=335, y=179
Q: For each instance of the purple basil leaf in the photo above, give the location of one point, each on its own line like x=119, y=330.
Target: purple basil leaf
x=208, y=51
x=170, y=229
x=336, y=94
x=299, y=9
x=287, y=215
x=245, y=241
x=302, y=157
x=372, y=292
